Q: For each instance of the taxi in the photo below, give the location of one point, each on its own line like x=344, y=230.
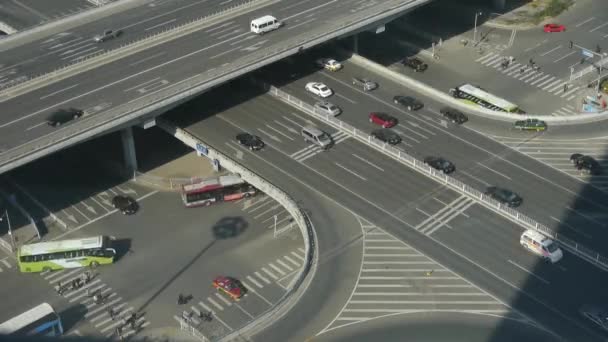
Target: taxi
x=229, y=286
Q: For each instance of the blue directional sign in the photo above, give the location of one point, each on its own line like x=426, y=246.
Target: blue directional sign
x=587, y=53
x=202, y=149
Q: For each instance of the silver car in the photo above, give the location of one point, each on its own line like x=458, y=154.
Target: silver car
x=106, y=35
x=364, y=84
x=328, y=108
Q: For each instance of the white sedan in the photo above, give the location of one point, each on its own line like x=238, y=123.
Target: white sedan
x=329, y=64
x=319, y=89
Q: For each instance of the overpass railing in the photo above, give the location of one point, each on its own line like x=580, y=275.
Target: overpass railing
x=295, y=288
x=485, y=200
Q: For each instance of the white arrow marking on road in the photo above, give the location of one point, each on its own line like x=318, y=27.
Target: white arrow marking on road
x=106, y=202
x=255, y=46
x=273, y=137
x=238, y=152
x=127, y=190
x=103, y=193
x=89, y=208
x=70, y=216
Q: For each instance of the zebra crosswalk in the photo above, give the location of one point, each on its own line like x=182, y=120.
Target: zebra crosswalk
x=522, y=72
x=5, y=264
x=107, y=317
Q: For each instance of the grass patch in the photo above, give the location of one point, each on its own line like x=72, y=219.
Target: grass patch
x=553, y=9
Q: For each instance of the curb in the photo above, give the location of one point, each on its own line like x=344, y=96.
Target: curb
x=449, y=100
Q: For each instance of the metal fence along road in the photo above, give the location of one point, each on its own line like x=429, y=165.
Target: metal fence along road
x=297, y=287
x=510, y=213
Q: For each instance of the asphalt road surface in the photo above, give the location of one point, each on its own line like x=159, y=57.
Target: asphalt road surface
x=480, y=246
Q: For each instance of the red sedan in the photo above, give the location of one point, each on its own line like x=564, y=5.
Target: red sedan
x=382, y=119
x=554, y=28
x=229, y=286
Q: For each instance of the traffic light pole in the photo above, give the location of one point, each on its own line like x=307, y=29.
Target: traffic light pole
x=593, y=53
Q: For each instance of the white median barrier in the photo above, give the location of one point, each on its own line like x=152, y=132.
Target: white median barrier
x=527, y=222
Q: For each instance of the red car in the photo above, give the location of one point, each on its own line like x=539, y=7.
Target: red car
x=229, y=286
x=554, y=28
x=382, y=119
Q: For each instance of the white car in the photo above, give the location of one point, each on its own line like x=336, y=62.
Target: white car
x=328, y=108
x=329, y=64
x=319, y=89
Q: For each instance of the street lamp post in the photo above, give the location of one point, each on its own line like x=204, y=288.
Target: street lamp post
x=478, y=13
x=275, y=226
x=10, y=230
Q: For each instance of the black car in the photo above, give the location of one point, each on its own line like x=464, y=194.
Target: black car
x=250, y=141
x=440, y=164
x=453, y=115
x=62, y=116
x=596, y=314
x=415, y=63
x=504, y=196
x=586, y=164
x=387, y=136
x=408, y=102
x=126, y=204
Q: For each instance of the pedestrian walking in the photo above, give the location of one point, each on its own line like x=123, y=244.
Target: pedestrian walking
x=111, y=313
x=522, y=70
x=180, y=299
x=598, y=49
x=87, y=276
x=565, y=87
x=58, y=289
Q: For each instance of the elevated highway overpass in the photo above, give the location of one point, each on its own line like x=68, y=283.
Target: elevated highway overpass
x=130, y=85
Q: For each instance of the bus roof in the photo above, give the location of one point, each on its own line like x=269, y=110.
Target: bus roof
x=263, y=19
x=62, y=245
x=213, y=183
x=481, y=94
x=20, y=321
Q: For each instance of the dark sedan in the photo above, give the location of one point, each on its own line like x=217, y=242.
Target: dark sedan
x=61, y=116
x=586, y=164
x=126, y=204
x=504, y=196
x=415, y=63
x=440, y=164
x=250, y=141
x=408, y=102
x=387, y=136
x=453, y=115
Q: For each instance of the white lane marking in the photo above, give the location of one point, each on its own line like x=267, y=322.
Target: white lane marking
x=584, y=22
x=35, y=126
x=295, y=263
x=564, y=56
x=221, y=297
x=162, y=15
x=368, y=162
x=346, y=98
x=529, y=272
x=148, y=58
x=475, y=178
x=226, y=52
x=58, y=91
x=102, y=307
x=142, y=84
x=214, y=303
x=350, y=171
x=279, y=132
x=496, y=172
x=219, y=27
x=548, y=52
x=309, y=10
x=159, y=25
x=276, y=268
x=598, y=27
x=297, y=256
x=260, y=276
x=6, y=263
x=255, y=282
x=571, y=227
x=282, y=263
x=257, y=293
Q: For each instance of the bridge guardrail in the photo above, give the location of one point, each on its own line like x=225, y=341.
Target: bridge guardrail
x=303, y=222
x=128, y=112
x=510, y=213
x=99, y=56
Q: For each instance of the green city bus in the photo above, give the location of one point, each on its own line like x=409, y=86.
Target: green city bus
x=57, y=255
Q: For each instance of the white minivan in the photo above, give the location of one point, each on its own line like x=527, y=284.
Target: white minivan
x=541, y=245
x=265, y=24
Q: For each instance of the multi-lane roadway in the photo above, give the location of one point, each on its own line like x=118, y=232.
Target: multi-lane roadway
x=463, y=236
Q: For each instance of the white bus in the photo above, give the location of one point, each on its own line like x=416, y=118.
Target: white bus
x=41, y=320
x=478, y=96
x=56, y=255
x=265, y=24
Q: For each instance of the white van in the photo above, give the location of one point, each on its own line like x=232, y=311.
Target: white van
x=541, y=245
x=317, y=137
x=265, y=24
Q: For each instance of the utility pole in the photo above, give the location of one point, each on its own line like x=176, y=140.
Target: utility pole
x=478, y=13
x=275, y=226
x=590, y=53
x=10, y=230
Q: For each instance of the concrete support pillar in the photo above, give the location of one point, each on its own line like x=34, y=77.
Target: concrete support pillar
x=356, y=43
x=499, y=5
x=128, y=149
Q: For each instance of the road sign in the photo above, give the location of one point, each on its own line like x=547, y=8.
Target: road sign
x=587, y=53
x=202, y=149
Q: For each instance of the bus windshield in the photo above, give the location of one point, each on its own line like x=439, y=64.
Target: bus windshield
x=56, y=255
x=209, y=191
x=482, y=98
x=41, y=320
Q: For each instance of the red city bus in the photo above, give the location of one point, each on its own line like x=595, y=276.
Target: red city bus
x=209, y=191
